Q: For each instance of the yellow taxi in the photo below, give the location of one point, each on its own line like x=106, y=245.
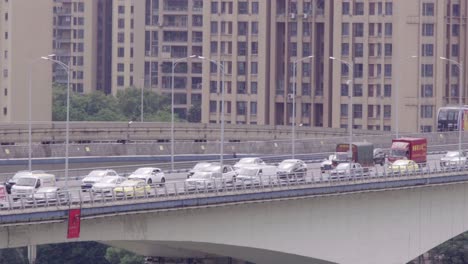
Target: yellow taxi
x=403, y=165
x=132, y=187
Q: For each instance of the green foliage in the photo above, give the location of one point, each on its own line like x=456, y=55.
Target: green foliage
x=120, y=256
x=194, y=114
x=453, y=251
x=13, y=256
x=97, y=106
x=72, y=253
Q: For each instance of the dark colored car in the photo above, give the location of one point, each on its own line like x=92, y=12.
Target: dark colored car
x=379, y=156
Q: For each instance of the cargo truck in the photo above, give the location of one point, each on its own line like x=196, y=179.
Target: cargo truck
x=414, y=149
x=362, y=153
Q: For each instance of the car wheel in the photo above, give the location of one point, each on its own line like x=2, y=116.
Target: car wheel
x=150, y=181
x=162, y=182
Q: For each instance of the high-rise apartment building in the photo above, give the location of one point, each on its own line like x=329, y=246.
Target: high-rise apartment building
x=148, y=36
x=82, y=40
x=25, y=36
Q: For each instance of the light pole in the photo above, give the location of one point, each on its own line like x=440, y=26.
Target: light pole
x=221, y=69
x=174, y=64
x=67, y=123
x=350, y=111
x=293, y=123
x=460, y=87
x=30, y=110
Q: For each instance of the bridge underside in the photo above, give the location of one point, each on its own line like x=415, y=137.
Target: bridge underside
x=207, y=250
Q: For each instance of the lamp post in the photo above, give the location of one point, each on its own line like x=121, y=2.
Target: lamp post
x=460, y=87
x=67, y=123
x=30, y=110
x=350, y=111
x=174, y=64
x=293, y=123
x=221, y=68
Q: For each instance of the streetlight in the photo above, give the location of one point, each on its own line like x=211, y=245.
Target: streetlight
x=67, y=125
x=174, y=64
x=293, y=123
x=460, y=87
x=30, y=110
x=221, y=68
x=350, y=111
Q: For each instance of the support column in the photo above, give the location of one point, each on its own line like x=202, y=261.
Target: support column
x=32, y=252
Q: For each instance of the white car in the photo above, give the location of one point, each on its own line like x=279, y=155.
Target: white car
x=327, y=164
x=107, y=184
x=96, y=176
x=212, y=175
x=453, y=158
x=150, y=175
x=200, y=166
x=245, y=162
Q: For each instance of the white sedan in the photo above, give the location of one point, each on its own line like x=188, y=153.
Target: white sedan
x=150, y=175
x=107, y=184
x=96, y=176
x=247, y=162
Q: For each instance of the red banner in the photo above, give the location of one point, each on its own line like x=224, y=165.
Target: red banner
x=74, y=223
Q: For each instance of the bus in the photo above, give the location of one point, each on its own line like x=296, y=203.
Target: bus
x=448, y=118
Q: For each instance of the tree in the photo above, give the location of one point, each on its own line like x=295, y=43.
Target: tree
x=120, y=256
x=72, y=253
x=194, y=115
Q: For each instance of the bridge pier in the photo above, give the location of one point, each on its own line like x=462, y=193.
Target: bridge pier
x=32, y=253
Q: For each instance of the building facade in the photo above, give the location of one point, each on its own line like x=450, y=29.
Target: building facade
x=26, y=35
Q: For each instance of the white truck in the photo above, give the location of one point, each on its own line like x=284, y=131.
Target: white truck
x=29, y=184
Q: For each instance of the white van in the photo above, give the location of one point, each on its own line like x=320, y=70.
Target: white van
x=30, y=183
x=254, y=174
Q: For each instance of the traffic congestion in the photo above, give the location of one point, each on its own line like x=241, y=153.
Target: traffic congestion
x=406, y=156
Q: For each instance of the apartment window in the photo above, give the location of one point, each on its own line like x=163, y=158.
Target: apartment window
x=388, y=49
x=345, y=8
x=306, y=69
x=426, y=129
x=120, y=52
x=371, y=8
x=387, y=111
x=214, y=7
x=243, y=8
x=370, y=91
x=254, y=48
x=388, y=29
x=387, y=90
x=6, y=35
x=254, y=28
x=5, y=91
x=427, y=90
x=5, y=111
x=358, y=50
x=455, y=71
x=5, y=73
x=358, y=29
x=241, y=108
x=80, y=7
x=344, y=89
x=255, y=7
x=121, y=37
x=121, y=9
x=241, y=48
x=120, y=67
x=306, y=90
x=427, y=50
x=6, y=16
x=213, y=87
x=357, y=110
x=344, y=49
x=213, y=106
x=345, y=29
x=306, y=50
x=427, y=70
x=428, y=9
x=388, y=70
x=454, y=90
x=254, y=67
x=294, y=49
x=426, y=111
x=370, y=111
x=358, y=8
x=358, y=70
x=388, y=8
x=121, y=23
x=253, y=87
x=455, y=50
x=343, y=110
x=214, y=27
x=214, y=47
x=241, y=68
x=344, y=70
x=456, y=30
x=242, y=28
x=357, y=90
x=5, y=54
x=253, y=108
x=456, y=10
x=241, y=88
x=427, y=29
x=120, y=80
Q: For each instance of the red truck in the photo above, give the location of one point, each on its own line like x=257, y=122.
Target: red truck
x=414, y=149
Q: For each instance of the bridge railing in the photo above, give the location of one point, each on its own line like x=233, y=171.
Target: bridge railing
x=220, y=187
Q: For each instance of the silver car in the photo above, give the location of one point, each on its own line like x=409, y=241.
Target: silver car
x=453, y=158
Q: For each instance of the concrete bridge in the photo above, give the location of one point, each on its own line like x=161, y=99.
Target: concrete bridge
x=374, y=220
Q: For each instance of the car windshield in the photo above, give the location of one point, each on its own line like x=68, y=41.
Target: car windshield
x=286, y=165
x=398, y=153
x=20, y=174
x=212, y=168
x=341, y=156
x=129, y=183
x=97, y=173
x=401, y=163
x=452, y=154
x=248, y=172
x=246, y=161
x=201, y=175
x=26, y=181
x=143, y=171
x=200, y=166
x=342, y=166
x=108, y=180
